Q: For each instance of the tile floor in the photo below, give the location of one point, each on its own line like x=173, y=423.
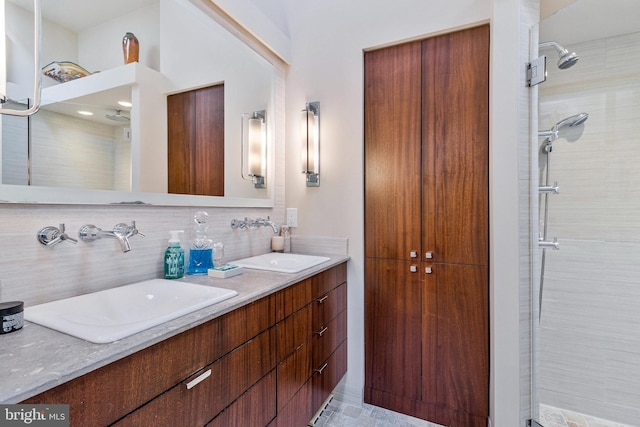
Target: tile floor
x=556, y=417
x=341, y=414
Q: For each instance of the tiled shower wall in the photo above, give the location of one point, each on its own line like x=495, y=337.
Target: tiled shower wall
x=589, y=336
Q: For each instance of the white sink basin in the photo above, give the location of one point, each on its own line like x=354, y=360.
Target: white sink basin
x=283, y=263
x=112, y=314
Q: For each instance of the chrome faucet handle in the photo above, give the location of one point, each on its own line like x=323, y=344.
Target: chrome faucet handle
x=127, y=230
x=50, y=235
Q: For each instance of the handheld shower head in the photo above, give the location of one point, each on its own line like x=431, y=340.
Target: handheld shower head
x=572, y=135
x=566, y=59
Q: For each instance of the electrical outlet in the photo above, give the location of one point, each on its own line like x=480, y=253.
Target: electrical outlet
x=292, y=217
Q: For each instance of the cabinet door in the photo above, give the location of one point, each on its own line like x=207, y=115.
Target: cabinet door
x=393, y=329
x=463, y=338
x=455, y=128
x=196, y=141
x=392, y=151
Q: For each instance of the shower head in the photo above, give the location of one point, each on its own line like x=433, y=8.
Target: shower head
x=575, y=120
x=570, y=135
x=566, y=59
x=117, y=117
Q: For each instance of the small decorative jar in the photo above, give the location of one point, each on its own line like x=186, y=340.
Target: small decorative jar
x=11, y=316
x=130, y=48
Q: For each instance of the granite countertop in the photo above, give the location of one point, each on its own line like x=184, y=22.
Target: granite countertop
x=36, y=358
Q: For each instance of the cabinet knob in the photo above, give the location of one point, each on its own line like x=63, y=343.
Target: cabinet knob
x=428, y=255
x=428, y=270
x=413, y=269
x=413, y=254
x=194, y=382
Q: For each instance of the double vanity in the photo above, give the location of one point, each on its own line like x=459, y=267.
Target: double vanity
x=268, y=353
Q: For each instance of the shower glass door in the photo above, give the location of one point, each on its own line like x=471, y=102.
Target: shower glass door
x=587, y=337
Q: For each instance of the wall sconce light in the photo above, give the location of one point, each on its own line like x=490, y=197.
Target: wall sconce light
x=310, y=138
x=254, y=148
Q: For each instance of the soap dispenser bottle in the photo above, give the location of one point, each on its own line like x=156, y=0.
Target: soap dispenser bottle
x=201, y=247
x=174, y=257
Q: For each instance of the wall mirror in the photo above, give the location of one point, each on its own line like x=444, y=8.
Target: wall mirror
x=119, y=154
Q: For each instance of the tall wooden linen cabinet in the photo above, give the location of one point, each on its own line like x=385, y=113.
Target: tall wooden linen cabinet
x=426, y=228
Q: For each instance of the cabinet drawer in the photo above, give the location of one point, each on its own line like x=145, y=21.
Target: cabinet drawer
x=328, y=305
x=299, y=410
x=293, y=298
x=257, y=407
x=327, y=376
x=327, y=339
x=294, y=330
x=203, y=395
x=293, y=372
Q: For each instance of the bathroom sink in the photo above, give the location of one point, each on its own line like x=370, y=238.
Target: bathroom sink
x=283, y=263
x=112, y=314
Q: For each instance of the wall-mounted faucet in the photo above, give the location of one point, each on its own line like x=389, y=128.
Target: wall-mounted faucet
x=250, y=223
x=50, y=235
x=121, y=232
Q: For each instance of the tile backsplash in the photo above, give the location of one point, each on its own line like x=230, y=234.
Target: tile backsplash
x=35, y=274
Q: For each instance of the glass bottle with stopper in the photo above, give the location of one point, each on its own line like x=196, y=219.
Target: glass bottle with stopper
x=201, y=247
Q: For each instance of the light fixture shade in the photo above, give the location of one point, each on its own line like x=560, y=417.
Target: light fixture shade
x=310, y=140
x=254, y=148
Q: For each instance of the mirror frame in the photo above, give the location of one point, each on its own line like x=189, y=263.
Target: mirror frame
x=20, y=194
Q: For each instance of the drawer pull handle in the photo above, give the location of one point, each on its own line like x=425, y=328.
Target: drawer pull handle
x=322, y=331
x=194, y=382
x=322, y=368
x=323, y=299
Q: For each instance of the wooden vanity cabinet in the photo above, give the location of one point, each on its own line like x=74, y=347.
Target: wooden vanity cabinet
x=237, y=366
x=312, y=365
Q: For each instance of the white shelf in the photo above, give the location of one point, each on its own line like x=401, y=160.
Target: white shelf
x=88, y=89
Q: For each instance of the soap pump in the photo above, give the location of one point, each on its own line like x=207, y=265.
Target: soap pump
x=201, y=247
x=174, y=257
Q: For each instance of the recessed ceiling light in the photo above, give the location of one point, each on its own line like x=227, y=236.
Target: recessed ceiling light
x=85, y=113
x=125, y=103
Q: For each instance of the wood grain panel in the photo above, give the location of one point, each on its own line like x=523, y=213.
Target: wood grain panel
x=293, y=298
x=393, y=327
x=181, y=118
x=299, y=410
x=257, y=407
x=455, y=128
x=392, y=129
x=326, y=377
x=463, y=337
x=230, y=377
x=294, y=330
x=195, y=121
x=328, y=338
x=209, y=160
x=293, y=372
x=326, y=307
